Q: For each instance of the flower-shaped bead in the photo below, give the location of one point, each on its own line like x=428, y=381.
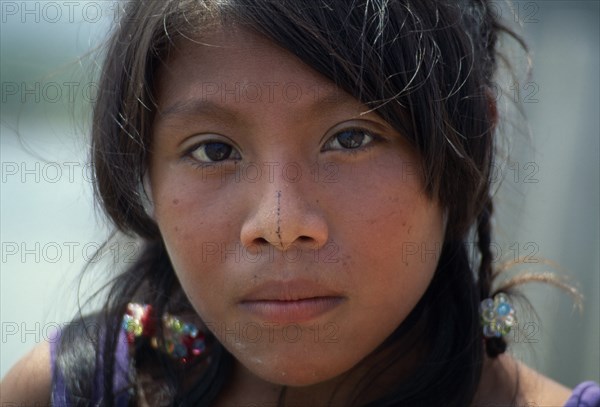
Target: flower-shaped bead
x=135, y=321
x=183, y=341
x=497, y=316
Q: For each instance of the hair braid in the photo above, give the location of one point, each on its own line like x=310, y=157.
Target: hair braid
x=484, y=234
x=496, y=345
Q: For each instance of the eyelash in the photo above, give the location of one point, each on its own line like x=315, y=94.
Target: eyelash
x=189, y=153
x=372, y=138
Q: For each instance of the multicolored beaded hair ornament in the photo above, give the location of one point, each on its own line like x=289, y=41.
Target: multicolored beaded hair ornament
x=497, y=316
x=183, y=341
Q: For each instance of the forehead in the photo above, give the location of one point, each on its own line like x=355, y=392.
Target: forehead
x=229, y=65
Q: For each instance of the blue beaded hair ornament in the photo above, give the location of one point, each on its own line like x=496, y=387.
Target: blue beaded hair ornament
x=497, y=319
x=182, y=341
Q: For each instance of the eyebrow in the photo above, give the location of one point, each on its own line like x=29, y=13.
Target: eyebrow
x=212, y=106
x=198, y=106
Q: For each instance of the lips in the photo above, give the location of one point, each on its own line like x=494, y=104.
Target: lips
x=290, y=302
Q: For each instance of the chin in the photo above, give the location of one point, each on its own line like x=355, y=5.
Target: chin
x=294, y=370
x=295, y=377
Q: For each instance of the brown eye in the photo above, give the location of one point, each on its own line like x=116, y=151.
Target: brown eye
x=214, y=151
x=349, y=140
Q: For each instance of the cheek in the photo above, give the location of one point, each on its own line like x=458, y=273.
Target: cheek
x=389, y=220
x=398, y=262
x=188, y=213
x=392, y=243
x=196, y=231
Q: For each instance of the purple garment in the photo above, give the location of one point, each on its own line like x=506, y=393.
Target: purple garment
x=59, y=396
x=586, y=394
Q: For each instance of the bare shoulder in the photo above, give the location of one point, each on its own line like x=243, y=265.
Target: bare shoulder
x=29, y=381
x=506, y=382
x=540, y=390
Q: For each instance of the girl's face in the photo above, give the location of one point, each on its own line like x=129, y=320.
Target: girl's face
x=295, y=220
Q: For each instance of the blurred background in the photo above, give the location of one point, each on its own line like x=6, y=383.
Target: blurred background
x=548, y=182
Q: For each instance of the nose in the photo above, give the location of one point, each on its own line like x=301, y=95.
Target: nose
x=284, y=216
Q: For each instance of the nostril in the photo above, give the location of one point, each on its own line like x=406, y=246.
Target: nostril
x=305, y=239
x=261, y=241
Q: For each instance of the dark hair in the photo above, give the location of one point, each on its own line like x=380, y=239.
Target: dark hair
x=427, y=67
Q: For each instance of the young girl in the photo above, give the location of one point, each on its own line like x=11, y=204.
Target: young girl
x=303, y=177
